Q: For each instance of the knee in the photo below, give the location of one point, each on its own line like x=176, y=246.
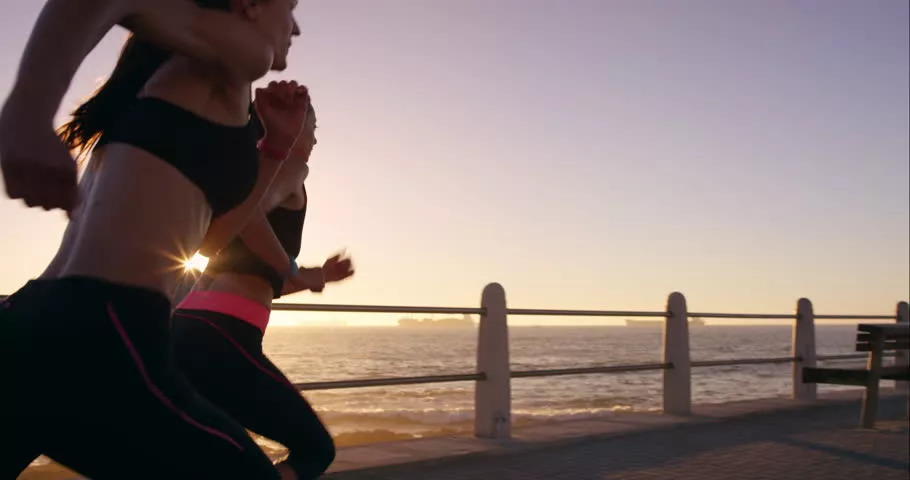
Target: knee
x=326, y=451
x=314, y=457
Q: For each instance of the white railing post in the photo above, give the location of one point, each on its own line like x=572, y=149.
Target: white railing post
x=677, y=378
x=493, y=396
x=903, y=357
x=803, y=349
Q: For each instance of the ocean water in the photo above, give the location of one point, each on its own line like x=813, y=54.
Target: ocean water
x=355, y=415
x=365, y=415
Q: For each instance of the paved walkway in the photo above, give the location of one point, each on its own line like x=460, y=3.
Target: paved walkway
x=819, y=443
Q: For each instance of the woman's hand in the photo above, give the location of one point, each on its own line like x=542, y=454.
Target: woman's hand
x=282, y=107
x=37, y=167
x=337, y=268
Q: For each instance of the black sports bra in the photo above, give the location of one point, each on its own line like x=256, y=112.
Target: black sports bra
x=237, y=258
x=221, y=160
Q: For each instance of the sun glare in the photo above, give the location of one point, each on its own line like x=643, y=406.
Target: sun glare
x=198, y=262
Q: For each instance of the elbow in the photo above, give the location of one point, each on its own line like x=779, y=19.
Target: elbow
x=212, y=244
x=209, y=251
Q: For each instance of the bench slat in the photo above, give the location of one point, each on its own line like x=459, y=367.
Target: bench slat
x=899, y=329
x=835, y=376
x=897, y=372
x=889, y=345
x=866, y=336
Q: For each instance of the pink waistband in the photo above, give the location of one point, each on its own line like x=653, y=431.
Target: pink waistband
x=231, y=304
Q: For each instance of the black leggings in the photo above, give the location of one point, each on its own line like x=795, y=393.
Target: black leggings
x=222, y=356
x=88, y=380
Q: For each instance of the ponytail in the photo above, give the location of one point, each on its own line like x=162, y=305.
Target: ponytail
x=137, y=63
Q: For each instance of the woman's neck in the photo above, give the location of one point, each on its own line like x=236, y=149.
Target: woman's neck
x=199, y=90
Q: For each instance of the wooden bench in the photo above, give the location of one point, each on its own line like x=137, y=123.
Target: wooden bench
x=875, y=339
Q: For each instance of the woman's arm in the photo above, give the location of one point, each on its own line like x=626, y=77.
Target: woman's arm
x=337, y=268
x=312, y=279
x=64, y=34
x=37, y=167
x=224, y=228
x=67, y=30
x=216, y=37
x=283, y=107
x=260, y=239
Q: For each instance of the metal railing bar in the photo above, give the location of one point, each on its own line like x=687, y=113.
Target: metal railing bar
x=852, y=356
x=745, y=316
x=788, y=316
x=390, y=381
x=846, y=356
x=553, y=372
x=380, y=382
x=582, y=313
x=322, y=307
x=742, y=361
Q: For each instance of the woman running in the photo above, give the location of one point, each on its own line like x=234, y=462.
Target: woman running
x=85, y=355
x=218, y=330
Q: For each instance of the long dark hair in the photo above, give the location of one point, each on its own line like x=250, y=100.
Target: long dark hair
x=138, y=61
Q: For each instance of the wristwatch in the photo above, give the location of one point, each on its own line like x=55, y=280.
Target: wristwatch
x=294, y=268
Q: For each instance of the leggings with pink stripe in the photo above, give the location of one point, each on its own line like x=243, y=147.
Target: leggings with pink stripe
x=222, y=356
x=89, y=380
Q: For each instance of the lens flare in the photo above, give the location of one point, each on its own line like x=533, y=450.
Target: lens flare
x=198, y=262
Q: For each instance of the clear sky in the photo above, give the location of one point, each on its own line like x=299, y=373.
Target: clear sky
x=587, y=153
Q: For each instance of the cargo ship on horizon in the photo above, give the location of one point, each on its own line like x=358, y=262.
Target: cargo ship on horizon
x=465, y=321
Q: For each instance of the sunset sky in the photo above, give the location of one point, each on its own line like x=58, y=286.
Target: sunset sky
x=585, y=153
